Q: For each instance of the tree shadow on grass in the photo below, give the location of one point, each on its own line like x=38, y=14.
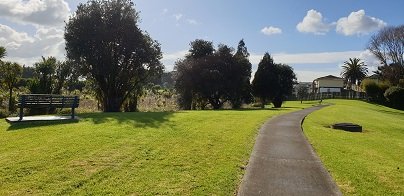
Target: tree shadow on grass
x=24, y=125
x=137, y=119
x=392, y=112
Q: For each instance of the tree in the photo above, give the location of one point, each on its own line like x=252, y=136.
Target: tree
x=10, y=74
x=388, y=46
x=265, y=80
x=240, y=77
x=286, y=80
x=353, y=71
x=302, y=91
x=3, y=52
x=273, y=82
x=209, y=76
x=44, y=81
x=103, y=38
x=392, y=73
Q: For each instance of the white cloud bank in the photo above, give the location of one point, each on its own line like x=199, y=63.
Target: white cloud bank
x=271, y=30
x=358, y=23
x=313, y=22
x=46, y=16
x=35, y=12
x=26, y=49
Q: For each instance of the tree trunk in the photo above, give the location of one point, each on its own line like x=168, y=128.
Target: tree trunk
x=263, y=103
x=131, y=106
x=112, y=104
x=10, y=102
x=277, y=101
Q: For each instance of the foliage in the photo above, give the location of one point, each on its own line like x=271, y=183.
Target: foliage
x=273, y=82
x=374, y=90
x=388, y=46
x=150, y=153
x=104, y=39
x=10, y=74
x=302, y=91
x=3, y=52
x=45, y=70
x=395, y=97
x=264, y=82
x=367, y=163
x=354, y=71
x=240, y=87
x=209, y=76
x=28, y=72
x=392, y=73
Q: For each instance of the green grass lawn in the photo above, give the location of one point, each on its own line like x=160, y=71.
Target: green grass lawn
x=368, y=163
x=161, y=153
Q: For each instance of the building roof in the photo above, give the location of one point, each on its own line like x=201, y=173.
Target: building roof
x=329, y=77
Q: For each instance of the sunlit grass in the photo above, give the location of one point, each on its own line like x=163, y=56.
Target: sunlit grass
x=367, y=163
x=160, y=153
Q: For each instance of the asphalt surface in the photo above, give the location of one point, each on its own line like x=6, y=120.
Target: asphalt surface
x=284, y=163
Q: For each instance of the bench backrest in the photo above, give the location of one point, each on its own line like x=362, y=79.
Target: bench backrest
x=40, y=100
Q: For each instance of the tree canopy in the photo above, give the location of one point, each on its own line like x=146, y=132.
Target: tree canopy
x=104, y=40
x=388, y=46
x=354, y=71
x=10, y=74
x=2, y=52
x=273, y=82
x=209, y=76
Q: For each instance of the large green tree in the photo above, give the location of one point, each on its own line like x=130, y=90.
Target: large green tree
x=10, y=74
x=240, y=87
x=104, y=39
x=273, y=82
x=213, y=76
x=265, y=80
x=354, y=71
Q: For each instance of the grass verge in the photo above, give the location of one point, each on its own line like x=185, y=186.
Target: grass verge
x=367, y=163
x=161, y=153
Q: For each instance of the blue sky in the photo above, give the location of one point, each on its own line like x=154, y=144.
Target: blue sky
x=313, y=36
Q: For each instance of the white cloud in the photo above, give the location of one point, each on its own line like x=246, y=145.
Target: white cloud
x=178, y=16
x=165, y=11
x=313, y=22
x=36, y=12
x=308, y=58
x=26, y=49
x=192, y=21
x=271, y=30
x=358, y=23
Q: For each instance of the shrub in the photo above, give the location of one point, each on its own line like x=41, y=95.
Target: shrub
x=395, y=97
x=375, y=90
x=3, y=113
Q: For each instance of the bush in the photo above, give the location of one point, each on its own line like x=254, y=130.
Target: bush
x=395, y=97
x=3, y=113
x=375, y=90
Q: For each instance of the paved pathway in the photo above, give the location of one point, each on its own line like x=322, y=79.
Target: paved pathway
x=284, y=163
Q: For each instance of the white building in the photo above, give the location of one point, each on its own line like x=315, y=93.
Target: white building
x=328, y=84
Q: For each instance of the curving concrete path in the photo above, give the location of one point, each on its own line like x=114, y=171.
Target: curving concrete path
x=284, y=163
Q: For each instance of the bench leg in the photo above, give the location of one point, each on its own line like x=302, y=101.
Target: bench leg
x=21, y=113
x=73, y=113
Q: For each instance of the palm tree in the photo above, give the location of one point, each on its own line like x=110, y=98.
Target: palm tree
x=353, y=71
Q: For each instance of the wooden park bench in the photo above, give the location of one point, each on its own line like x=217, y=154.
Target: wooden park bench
x=47, y=101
